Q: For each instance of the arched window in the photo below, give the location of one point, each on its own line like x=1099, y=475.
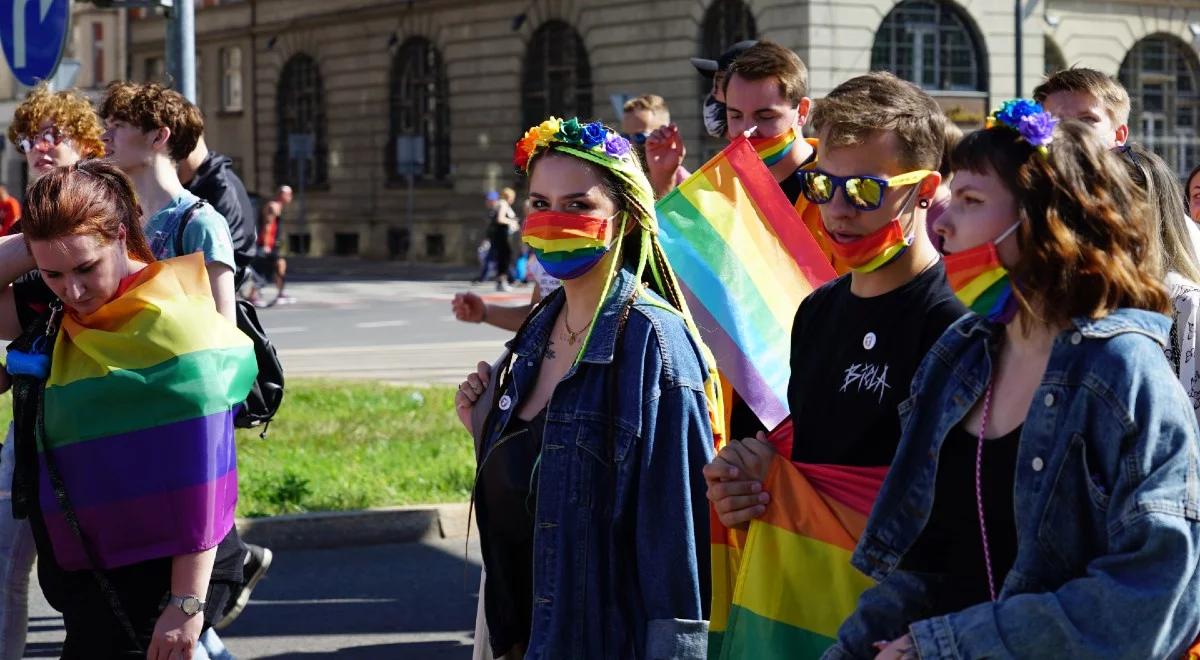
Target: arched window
x=930, y=43
x=419, y=106
x=1052, y=57
x=726, y=22
x=557, y=78
x=300, y=111
x=1160, y=73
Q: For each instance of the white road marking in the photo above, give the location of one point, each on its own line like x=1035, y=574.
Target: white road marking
x=287, y=330
x=382, y=324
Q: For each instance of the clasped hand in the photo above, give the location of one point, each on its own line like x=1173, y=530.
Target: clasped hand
x=735, y=480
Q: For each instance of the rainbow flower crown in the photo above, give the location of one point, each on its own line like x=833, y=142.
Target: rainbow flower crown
x=593, y=138
x=1029, y=119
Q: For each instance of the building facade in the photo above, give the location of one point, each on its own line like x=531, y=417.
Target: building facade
x=363, y=85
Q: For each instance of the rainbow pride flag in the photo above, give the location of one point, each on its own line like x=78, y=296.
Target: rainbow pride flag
x=782, y=588
x=139, y=420
x=745, y=260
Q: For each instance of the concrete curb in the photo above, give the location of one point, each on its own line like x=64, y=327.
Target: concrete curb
x=336, y=529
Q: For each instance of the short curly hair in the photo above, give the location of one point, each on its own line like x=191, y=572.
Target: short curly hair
x=151, y=106
x=69, y=111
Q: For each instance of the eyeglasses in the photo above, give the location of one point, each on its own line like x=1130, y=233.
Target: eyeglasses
x=51, y=136
x=637, y=138
x=863, y=192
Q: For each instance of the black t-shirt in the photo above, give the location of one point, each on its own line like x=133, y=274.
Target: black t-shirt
x=853, y=360
x=505, y=500
x=951, y=543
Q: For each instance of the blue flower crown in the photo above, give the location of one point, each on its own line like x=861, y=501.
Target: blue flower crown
x=1029, y=119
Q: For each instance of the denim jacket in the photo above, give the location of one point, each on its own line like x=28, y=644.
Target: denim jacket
x=621, y=553
x=1106, y=499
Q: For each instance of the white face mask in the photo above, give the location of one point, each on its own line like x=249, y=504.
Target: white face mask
x=714, y=116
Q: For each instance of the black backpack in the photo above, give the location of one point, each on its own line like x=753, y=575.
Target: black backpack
x=267, y=394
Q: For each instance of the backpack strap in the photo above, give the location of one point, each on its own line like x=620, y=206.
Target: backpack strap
x=183, y=223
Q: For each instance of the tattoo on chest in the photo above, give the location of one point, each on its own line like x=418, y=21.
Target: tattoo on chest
x=867, y=378
x=550, y=354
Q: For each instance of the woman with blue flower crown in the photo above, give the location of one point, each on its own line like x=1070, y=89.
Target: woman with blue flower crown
x=1045, y=498
x=596, y=425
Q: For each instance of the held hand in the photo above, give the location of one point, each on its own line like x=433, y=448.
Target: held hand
x=175, y=635
x=735, y=481
x=469, y=392
x=468, y=307
x=898, y=649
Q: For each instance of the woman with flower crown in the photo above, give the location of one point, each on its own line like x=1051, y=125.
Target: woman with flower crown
x=1045, y=498
x=595, y=425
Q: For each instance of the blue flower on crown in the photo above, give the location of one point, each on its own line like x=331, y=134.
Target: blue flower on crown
x=1029, y=119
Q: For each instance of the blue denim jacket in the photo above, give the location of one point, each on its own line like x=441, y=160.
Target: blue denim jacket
x=621, y=551
x=1107, y=504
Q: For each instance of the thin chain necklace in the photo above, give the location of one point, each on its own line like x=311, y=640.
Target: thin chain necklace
x=987, y=555
x=572, y=335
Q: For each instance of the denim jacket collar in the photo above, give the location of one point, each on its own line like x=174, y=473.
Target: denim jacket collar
x=602, y=343
x=1155, y=326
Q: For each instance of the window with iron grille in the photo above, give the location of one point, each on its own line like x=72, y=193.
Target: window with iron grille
x=930, y=43
x=1160, y=73
x=557, y=78
x=300, y=109
x=419, y=105
x=726, y=22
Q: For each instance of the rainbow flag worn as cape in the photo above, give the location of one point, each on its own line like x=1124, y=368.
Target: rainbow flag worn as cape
x=744, y=260
x=139, y=420
x=783, y=588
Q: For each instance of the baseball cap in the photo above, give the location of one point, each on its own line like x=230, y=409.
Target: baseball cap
x=493, y=196
x=708, y=67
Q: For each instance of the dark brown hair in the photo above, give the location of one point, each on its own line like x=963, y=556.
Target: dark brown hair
x=1109, y=92
x=91, y=198
x=150, y=107
x=767, y=59
x=858, y=109
x=1080, y=253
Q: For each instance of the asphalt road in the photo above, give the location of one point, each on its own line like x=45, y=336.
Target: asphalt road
x=401, y=332
x=414, y=601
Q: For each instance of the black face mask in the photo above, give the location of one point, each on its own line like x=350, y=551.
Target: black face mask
x=714, y=117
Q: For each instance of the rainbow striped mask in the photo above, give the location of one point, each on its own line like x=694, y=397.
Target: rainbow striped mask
x=567, y=245
x=981, y=282
x=773, y=149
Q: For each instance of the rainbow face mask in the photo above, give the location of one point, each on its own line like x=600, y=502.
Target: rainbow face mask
x=981, y=282
x=567, y=245
x=875, y=250
x=774, y=149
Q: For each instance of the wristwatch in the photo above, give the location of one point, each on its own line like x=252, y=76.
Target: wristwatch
x=190, y=605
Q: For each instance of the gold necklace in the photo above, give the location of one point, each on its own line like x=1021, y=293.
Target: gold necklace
x=572, y=335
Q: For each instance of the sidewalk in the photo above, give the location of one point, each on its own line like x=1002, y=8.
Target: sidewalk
x=324, y=269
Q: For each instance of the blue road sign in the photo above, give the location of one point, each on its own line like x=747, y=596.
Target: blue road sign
x=34, y=35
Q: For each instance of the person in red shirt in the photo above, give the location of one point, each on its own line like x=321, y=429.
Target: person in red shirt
x=10, y=210
x=269, y=263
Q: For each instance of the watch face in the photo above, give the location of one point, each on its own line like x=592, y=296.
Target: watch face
x=191, y=605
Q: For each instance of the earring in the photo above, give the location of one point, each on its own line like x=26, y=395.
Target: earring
x=923, y=203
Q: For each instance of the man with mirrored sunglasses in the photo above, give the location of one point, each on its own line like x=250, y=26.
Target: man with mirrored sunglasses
x=857, y=341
